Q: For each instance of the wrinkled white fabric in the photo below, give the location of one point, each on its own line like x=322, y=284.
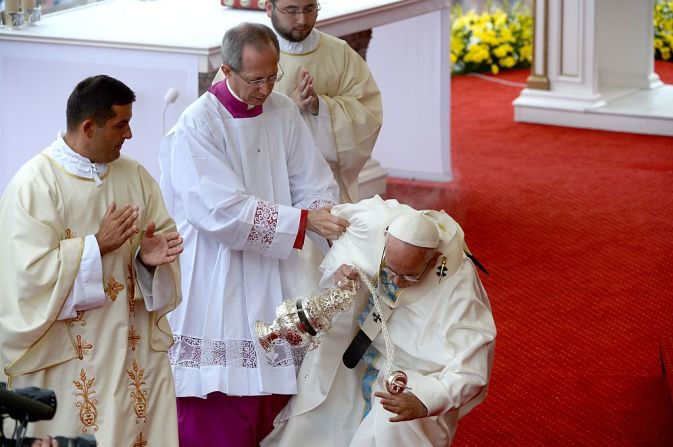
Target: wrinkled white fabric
x=443, y=333
x=236, y=187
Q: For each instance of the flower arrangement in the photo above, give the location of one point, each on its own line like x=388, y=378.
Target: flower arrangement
x=663, y=29
x=493, y=40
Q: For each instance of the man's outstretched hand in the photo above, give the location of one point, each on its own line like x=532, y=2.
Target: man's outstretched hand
x=159, y=249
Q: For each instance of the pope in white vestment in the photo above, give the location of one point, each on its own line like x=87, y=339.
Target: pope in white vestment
x=108, y=364
x=441, y=327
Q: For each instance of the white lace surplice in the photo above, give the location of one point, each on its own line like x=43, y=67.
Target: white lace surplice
x=235, y=188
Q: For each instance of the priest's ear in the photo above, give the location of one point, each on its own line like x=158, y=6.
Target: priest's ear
x=87, y=127
x=226, y=69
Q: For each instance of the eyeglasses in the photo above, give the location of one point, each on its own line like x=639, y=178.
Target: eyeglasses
x=392, y=273
x=294, y=11
x=260, y=82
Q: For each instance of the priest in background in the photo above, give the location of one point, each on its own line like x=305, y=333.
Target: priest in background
x=333, y=88
x=439, y=320
x=88, y=273
x=241, y=176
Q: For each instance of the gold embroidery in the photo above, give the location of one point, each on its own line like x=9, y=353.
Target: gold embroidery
x=131, y=291
x=88, y=413
x=140, y=441
x=82, y=347
x=79, y=319
x=138, y=394
x=112, y=288
x=69, y=234
x=133, y=337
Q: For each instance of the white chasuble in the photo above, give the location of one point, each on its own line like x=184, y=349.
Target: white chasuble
x=442, y=330
x=108, y=366
x=236, y=187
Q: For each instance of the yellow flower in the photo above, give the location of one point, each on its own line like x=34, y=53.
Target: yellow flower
x=491, y=40
x=457, y=45
x=506, y=35
x=477, y=54
x=507, y=62
x=526, y=53
x=499, y=17
x=503, y=50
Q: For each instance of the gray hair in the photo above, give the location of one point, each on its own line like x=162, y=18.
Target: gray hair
x=235, y=39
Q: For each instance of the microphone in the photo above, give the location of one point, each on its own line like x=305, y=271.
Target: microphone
x=171, y=95
x=169, y=98
x=31, y=403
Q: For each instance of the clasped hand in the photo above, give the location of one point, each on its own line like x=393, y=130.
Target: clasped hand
x=118, y=225
x=303, y=94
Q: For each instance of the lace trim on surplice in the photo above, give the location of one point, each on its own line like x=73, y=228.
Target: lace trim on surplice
x=263, y=228
x=321, y=204
x=191, y=352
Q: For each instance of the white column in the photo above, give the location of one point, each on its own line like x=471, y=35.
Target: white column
x=625, y=42
x=594, y=68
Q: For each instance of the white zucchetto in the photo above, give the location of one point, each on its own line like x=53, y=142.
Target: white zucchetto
x=415, y=229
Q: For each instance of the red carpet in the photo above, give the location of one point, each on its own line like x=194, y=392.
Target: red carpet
x=576, y=228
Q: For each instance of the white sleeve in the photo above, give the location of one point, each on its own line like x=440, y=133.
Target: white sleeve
x=215, y=199
x=152, y=282
x=468, y=332
x=87, y=291
x=321, y=128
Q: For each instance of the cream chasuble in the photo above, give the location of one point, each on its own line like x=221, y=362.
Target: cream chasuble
x=236, y=187
x=108, y=366
x=350, y=114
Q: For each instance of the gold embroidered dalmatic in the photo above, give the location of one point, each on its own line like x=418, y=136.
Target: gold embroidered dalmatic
x=108, y=367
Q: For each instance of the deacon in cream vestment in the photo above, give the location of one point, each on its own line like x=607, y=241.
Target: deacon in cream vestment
x=349, y=114
x=107, y=365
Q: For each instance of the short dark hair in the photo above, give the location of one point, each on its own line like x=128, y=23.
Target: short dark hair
x=236, y=38
x=94, y=97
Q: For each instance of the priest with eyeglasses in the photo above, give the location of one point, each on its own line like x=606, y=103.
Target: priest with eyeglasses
x=241, y=176
x=333, y=87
